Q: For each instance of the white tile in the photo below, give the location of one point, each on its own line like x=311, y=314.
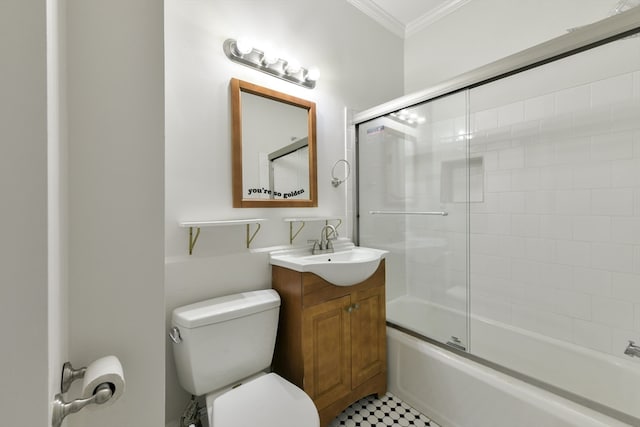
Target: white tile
x=612, y=90
x=612, y=312
x=498, y=181
x=490, y=204
x=487, y=244
x=624, y=116
x=573, y=202
x=612, y=146
x=592, y=175
x=547, y=323
x=540, y=202
x=556, y=227
x=510, y=114
x=560, y=127
x=498, y=224
x=512, y=158
x=524, y=271
x=490, y=266
x=614, y=257
x=557, y=276
x=612, y=202
x=490, y=307
x=592, y=335
x=636, y=259
x=538, y=154
x=539, y=107
x=572, y=151
x=636, y=317
x=483, y=120
x=592, y=228
x=490, y=160
x=626, y=286
x=512, y=202
x=512, y=246
x=573, y=304
x=625, y=173
x=636, y=202
x=625, y=230
x=556, y=178
x=525, y=179
x=525, y=225
x=501, y=288
x=592, y=281
x=542, y=250
x=573, y=99
x=573, y=253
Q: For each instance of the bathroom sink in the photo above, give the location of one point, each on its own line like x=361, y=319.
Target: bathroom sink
x=346, y=266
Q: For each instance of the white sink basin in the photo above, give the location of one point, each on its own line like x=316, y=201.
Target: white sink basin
x=347, y=266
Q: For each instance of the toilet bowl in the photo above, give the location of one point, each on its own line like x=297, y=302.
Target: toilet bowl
x=223, y=349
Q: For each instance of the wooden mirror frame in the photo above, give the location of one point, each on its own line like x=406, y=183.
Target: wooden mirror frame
x=239, y=86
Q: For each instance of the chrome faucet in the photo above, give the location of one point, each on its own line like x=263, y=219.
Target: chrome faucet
x=632, y=349
x=324, y=245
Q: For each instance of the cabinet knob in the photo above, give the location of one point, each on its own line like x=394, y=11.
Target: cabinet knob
x=352, y=307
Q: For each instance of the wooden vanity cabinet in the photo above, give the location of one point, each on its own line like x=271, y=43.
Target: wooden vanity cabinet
x=331, y=339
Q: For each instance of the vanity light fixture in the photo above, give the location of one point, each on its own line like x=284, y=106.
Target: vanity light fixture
x=268, y=62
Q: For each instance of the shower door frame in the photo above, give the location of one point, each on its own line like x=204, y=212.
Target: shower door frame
x=582, y=39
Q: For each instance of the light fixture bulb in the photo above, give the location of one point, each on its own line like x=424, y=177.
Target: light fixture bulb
x=313, y=74
x=269, y=57
x=292, y=67
x=243, y=46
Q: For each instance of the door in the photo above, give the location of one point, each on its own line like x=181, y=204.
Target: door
x=368, y=336
x=326, y=344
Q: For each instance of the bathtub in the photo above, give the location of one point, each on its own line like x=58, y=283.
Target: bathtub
x=457, y=391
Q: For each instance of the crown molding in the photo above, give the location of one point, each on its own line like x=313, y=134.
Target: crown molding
x=371, y=9
x=436, y=14
x=377, y=13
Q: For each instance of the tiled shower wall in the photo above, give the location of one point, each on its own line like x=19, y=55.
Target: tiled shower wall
x=555, y=241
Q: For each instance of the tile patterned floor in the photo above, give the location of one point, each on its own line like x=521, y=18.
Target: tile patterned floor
x=384, y=412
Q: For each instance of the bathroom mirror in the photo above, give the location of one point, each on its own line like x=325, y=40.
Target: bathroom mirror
x=273, y=148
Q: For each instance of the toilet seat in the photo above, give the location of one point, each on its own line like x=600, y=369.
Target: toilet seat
x=269, y=401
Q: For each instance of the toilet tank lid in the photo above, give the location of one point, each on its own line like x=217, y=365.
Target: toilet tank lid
x=225, y=308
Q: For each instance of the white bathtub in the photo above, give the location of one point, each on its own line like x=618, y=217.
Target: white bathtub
x=458, y=392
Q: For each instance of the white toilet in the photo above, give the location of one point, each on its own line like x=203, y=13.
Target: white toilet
x=222, y=348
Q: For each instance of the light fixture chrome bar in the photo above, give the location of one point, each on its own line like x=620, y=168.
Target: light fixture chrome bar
x=407, y=213
x=256, y=59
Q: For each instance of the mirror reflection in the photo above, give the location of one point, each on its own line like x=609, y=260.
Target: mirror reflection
x=273, y=148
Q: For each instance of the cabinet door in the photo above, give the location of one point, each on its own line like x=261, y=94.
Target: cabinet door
x=327, y=351
x=368, y=335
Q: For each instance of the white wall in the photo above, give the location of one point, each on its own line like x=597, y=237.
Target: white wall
x=116, y=155
x=347, y=47
x=23, y=216
x=483, y=31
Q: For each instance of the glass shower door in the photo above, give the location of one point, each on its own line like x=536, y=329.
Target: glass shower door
x=414, y=184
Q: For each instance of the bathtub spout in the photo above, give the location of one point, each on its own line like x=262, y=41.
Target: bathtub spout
x=632, y=350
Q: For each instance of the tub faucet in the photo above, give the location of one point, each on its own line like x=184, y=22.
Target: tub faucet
x=632, y=350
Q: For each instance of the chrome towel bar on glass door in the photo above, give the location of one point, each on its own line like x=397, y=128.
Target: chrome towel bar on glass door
x=407, y=213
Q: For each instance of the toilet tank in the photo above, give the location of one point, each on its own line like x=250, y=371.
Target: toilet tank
x=224, y=340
